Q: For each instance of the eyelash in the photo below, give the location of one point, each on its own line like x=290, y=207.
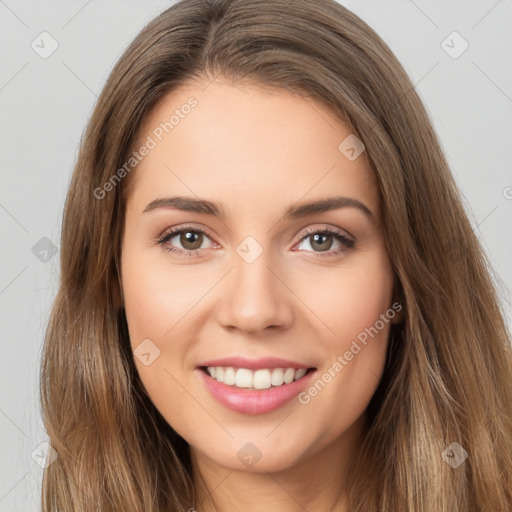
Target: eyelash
x=347, y=243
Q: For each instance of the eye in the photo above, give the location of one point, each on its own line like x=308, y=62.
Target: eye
x=321, y=241
x=190, y=239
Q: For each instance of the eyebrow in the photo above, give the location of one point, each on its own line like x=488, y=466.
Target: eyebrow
x=191, y=204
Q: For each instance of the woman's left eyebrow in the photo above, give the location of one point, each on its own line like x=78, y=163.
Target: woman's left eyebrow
x=324, y=205
x=192, y=204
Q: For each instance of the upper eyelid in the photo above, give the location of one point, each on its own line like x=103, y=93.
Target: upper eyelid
x=176, y=230
x=303, y=234
x=327, y=228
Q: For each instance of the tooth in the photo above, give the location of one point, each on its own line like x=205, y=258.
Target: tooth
x=300, y=373
x=229, y=376
x=243, y=378
x=262, y=379
x=289, y=374
x=258, y=379
x=277, y=376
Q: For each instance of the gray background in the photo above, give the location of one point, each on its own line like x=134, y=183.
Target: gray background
x=46, y=102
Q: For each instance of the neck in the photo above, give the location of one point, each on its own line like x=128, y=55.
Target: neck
x=315, y=482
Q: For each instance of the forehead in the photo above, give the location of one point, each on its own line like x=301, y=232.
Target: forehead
x=245, y=145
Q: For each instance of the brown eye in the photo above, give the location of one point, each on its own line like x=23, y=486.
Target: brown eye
x=321, y=241
x=325, y=242
x=191, y=240
x=185, y=241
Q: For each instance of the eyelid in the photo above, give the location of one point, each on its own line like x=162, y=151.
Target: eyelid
x=343, y=236
x=346, y=240
x=182, y=227
x=306, y=231
x=325, y=228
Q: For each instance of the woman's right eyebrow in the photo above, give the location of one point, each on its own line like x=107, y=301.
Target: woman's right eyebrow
x=187, y=204
x=299, y=210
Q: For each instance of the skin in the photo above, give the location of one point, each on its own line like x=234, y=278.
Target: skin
x=257, y=151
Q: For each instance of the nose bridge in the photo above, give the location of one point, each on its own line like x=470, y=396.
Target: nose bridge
x=254, y=298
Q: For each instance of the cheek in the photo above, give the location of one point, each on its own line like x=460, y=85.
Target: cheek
x=145, y=304
x=355, y=309
x=156, y=300
x=154, y=305
x=161, y=303
x=350, y=299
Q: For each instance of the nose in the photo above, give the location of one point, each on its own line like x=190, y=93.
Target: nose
x=254, y=297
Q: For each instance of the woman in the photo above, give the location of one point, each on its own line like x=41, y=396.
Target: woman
x=271, y=296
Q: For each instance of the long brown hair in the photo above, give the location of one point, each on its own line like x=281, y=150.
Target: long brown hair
x=448, y=376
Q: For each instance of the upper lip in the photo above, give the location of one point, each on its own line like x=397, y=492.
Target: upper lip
x=254, y=364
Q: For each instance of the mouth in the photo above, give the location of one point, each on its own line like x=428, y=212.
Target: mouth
x=254, y=386
x=255, y=380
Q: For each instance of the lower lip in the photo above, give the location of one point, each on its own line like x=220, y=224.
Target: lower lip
x=253, y=402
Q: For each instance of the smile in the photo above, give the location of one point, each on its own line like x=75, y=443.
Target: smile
x=254, y=386
x=259, y=379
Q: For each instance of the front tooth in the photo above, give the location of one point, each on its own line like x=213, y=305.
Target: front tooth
x=300, y=373
x=243, y=378
x=229, y=376
x=259, y=379
x=219, y=374
x=262, y=379
x=277, y=376
x=289, y=374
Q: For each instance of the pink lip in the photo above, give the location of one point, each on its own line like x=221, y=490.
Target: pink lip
x=254, y=364
x=253, y=402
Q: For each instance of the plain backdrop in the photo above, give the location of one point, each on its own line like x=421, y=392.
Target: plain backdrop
x=55, y=58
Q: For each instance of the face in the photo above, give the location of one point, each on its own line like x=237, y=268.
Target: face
x=256, y=283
